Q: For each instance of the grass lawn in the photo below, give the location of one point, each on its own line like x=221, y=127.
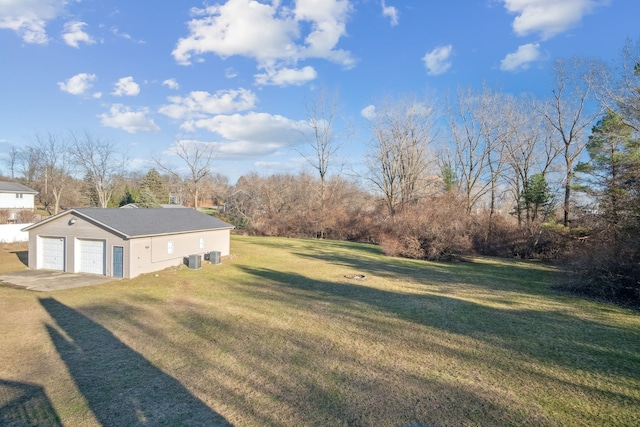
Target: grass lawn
x=276, y=335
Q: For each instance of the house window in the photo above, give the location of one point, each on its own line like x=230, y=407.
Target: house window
x=202, y=243
x=170, y=247
x=18, y=195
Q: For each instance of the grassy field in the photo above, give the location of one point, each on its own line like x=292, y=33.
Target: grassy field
x=276, y=335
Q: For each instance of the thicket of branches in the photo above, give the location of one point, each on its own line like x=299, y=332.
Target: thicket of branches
x=485, y=173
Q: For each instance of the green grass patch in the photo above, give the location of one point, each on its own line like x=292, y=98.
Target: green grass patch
x=278, y=335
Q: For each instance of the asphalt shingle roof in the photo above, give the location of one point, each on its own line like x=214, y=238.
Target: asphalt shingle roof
x=149, y=222
x=15, y=187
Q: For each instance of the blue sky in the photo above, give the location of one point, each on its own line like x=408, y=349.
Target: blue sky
x=236, y=74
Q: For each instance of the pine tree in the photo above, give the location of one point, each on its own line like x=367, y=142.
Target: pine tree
x=153, y=181
x=611, y=175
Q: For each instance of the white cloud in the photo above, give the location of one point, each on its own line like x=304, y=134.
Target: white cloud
x=171, y=84
x=74, y=34
x=201, y=104
x=28, y=18
x=251, y=133
x=78, y=84
x=368, y=112
x=548, y=17
x=391, y=12
x=122, y=117
x=286, y=76
x=438, y=60
x=126, y=86
x=521, y=58
x=275, y=36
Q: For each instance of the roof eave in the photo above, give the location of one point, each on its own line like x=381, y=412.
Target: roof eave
x=180, y=232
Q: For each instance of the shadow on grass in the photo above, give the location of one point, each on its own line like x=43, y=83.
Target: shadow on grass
x=121, y=387
x=24, y=404
x=23, y=257
x=549, y=337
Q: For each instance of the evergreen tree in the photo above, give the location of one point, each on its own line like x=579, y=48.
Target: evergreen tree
x=611, y=176
x=536, y=197
x=130, y=195
x=153, y=181
x=147, y=199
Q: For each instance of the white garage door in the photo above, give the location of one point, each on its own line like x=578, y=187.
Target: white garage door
x=91, y=256
x=52, y=256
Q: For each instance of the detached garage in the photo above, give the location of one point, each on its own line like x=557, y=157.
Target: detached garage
x=124, y=242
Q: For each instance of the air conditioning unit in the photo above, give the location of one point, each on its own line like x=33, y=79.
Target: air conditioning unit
x=214, y=257
x=195, y=261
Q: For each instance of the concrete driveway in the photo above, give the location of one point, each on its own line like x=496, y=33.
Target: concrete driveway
x=49, y=280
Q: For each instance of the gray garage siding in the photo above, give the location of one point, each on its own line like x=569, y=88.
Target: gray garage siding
x=81, y=229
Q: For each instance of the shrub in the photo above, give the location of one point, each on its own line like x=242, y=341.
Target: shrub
x=4, y=216
x=435, y=231
x=26, y=217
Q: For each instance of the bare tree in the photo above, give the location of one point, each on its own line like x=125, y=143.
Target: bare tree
x=100, y=162
x=56, y=166
x=197, y=158
x=531, y=148
x=398, y=160
x=322, y=139
x=471, y=154
x=28, y=164
x=12, y=160
x=568, y=112
x=619, y=90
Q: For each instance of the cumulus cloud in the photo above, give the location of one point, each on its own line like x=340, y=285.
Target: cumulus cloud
x=368, y=112
x=78, y=84
x=202, y=104
x=253, y=128
x=126, y=86
x=171, y=84
x=249, y=135
x=28, y=18
x=122, y=117
x=74, y=34
x=522, y=58
x=438, y=60
x=286, y=76
x=390, y=12
x=548, y=17
x=274, y=35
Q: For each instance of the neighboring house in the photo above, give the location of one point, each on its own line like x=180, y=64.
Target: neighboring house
x=124, y=242
x=15, y=197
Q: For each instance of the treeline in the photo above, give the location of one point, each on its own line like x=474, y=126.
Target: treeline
x=482, y=173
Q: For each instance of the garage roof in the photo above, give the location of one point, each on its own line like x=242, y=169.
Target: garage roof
x=145, y=222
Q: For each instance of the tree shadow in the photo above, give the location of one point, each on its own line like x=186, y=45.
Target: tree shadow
x=121, y=387
x=547, y=336
x=23, y=257
x=24, y=404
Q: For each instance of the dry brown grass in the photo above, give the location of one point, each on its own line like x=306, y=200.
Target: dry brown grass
x=276, y=335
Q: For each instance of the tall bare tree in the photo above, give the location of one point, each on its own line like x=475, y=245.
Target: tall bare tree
x=471, y=153
x=570, y=114
x=100, y=163
x=398, y=160
x=28, y=164
x=319, y=131
x=531, y=148
x=197, y=157
x=12, y=160
x=56, y=164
